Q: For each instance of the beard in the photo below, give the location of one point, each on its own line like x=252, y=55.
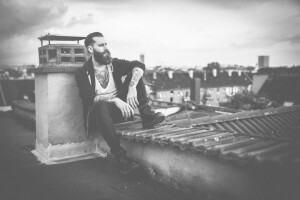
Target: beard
x=102, y=58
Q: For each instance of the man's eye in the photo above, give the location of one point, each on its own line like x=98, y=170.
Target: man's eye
x=102, y=45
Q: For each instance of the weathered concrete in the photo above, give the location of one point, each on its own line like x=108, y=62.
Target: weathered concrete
x=60, y=132
x=24, y=178
x=211, y=176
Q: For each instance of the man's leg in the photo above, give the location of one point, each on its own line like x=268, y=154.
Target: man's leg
x=149, y=117
x=105, y=114
x=102, y=118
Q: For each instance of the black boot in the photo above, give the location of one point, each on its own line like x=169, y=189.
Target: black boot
x=126, y=164
x=149, y=117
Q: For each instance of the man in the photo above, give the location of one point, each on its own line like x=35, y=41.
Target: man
x=107, y=100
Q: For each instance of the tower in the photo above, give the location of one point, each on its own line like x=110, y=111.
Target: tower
x=263, y=61
x=142, y=58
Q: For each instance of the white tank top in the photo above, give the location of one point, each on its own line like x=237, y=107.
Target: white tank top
x=110, y=91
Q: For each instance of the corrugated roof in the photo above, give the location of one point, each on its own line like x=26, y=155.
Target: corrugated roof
x=278, y=123
x=259, y=136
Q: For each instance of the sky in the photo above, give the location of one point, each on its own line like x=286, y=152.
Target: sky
x=178, y=33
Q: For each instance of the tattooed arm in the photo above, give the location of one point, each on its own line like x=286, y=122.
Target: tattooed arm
x=99, y=97
x=137, y=73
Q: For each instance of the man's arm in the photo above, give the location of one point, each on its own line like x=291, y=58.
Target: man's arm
x=137, y=73
x=124, y=67
x=101, y=98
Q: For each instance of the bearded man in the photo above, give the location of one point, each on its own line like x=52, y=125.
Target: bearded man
x=107, y=100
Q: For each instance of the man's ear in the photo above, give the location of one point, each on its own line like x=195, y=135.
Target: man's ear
x=90, y=49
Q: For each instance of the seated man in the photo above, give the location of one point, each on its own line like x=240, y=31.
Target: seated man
x=107, y=100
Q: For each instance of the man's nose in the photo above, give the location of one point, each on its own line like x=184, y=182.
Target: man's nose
x=105, y=47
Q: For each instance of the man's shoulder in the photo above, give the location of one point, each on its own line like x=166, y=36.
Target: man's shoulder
x=115, y=60
x=81, y=71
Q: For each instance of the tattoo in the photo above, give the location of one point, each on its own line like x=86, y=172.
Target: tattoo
x=98, y=97
x=137, y=73
x=102, y=76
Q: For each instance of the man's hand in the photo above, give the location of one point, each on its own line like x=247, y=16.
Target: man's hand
x=126, y=109
x=132, y=97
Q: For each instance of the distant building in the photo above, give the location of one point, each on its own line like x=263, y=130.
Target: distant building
x=170, y=86
x=215, y=86
x=142, y=58
x=263, y=61
x=280, y=84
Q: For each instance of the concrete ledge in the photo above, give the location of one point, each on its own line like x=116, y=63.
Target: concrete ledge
x=55, y=154
x=210, y=177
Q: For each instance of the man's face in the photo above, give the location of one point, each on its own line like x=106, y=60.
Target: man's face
x=100, y=52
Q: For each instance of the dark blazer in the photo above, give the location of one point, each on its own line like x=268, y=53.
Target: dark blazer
x=85, y=79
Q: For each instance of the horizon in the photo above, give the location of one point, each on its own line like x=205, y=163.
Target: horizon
x=182, y=33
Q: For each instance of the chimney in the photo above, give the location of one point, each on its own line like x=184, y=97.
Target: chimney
x=154, y=75
x=142, y=58
x=229, y=72
x=191, y=73
x=195, y=90
x=215, y=72
x=170, y=74
x=204, y=75
x=240, y=72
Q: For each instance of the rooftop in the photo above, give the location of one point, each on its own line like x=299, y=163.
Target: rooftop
x=270, y=135
x=255, y=140
x=282, y=84
x=23, y=177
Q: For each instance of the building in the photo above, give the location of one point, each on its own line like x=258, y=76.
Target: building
x=171, y=86
x=142, y=58
x=263, y=61
x=215, y=86
x=279, y=84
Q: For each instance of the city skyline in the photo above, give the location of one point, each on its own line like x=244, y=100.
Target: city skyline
x=181, y=33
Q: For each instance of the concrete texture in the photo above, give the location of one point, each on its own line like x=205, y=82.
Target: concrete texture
x=22, y=177
x=60, y=132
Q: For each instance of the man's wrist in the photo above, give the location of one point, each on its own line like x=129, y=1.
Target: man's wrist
x=132, y=84
x=114, y=99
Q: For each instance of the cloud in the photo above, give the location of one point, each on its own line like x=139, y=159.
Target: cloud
x=293, y=39
x=21, y=21
x=83, y=19
x=19, y=17
x=240, y=4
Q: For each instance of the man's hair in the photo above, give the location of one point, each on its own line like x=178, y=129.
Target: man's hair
x=89, y=38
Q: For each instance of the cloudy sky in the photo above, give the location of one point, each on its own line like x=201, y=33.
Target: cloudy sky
x=172, y=33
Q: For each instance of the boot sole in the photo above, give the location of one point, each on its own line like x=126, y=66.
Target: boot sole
x=156, y=121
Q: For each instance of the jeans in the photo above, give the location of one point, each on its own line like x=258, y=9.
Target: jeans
x=105, y=114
